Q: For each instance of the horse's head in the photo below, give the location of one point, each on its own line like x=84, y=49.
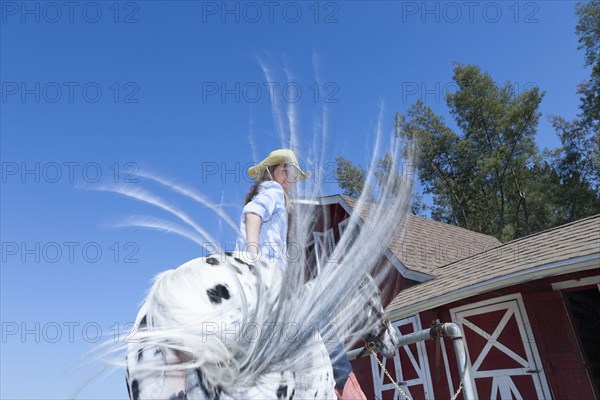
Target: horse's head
x=379, y=333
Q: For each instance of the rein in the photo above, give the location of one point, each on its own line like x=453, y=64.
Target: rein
x=370, y=345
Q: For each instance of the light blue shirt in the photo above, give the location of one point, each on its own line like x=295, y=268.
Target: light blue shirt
x=269, y=205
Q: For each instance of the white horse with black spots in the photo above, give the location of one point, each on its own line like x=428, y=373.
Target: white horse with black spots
x=217, y=328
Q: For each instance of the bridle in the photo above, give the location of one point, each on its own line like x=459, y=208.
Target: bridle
x=385, y=324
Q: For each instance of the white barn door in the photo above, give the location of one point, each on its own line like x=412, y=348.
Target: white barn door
x=501, y=352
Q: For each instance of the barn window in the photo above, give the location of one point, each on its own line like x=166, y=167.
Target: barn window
x=342, y=226
x=324, y=246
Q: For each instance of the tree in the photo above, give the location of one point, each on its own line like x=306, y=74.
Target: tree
x=576, y=164
x=490, y=177
x=349, y=177
x=477, y=178
x=580, y=138
x=577, y=161
x=588, y=30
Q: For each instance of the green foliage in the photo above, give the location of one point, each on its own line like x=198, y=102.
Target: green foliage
x=576, y=163
x=477, y=177
x=577, y=167
x=350, y=179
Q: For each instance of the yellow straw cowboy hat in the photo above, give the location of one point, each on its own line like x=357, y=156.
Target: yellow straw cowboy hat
x=276, y=157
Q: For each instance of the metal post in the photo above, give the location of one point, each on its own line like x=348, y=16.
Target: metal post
x=453, y=331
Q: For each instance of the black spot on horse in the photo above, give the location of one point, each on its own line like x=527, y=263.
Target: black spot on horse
x=217, y=293
x=229, y=253
x=143, y=323
x=282, y=391
x=212, y=261
x=241, y=261
x=135, y=390
x=316, y=393
x=235, y=268
x=179, y=396
x=140, y=355
x=251, y=267
x=292, y=395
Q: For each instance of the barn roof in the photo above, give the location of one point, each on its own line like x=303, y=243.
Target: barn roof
x=574, y=246
x=428, y=245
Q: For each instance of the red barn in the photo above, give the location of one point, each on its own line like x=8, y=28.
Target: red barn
x=529, y=309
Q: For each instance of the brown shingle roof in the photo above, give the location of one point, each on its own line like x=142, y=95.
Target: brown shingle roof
x=428, y=245
x=543, y=254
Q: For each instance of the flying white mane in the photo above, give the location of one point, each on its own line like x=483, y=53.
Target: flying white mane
x=278, y=298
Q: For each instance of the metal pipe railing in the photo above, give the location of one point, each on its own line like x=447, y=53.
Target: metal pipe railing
x=448, y=329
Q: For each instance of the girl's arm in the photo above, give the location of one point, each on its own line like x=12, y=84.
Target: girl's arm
x=253, y=224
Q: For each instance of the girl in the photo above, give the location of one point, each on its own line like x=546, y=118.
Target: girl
x=264, y=222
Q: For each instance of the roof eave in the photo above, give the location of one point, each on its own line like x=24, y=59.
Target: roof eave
x=542, y=271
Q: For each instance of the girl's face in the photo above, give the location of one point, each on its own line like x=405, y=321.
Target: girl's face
x=285, y=175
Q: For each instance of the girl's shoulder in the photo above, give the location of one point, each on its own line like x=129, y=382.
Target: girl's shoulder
x=272, y=190
x=271, y=185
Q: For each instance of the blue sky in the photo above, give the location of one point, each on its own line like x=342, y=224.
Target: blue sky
x=103, y=91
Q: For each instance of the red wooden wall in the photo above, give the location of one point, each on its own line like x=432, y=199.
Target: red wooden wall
x=555, y=337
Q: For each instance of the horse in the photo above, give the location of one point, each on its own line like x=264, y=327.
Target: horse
x=216, y=328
